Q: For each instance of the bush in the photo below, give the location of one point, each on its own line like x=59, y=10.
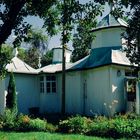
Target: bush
x=120, y=126
x=37, y=125
x=126, y=127
x=51, y=128
x=76, y=124
x=22, y=123
x=8, y=120
x=99, y=126
x=25, y=123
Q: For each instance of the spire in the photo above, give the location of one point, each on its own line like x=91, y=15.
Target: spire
x=39, y=62
x=15, y=52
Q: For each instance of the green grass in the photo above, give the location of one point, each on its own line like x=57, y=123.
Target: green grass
x=43, y=136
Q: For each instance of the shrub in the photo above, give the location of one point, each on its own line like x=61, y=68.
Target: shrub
x=8, y=119
x=76, y=124
x=126, y=127
x=37, y=125
x=25, y=123
x=11, y=99
x=120, y=126
x=100, y=126
x=51, y=128
x=22, y=123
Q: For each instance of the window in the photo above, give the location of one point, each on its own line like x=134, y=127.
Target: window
x=48, y=84
x=51, y=84
x=42, y=84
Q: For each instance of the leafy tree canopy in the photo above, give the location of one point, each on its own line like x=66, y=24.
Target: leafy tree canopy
x=13, y=12
x=37, y=39
x=46, y=59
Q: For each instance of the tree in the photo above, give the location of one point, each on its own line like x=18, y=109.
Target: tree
x=5, y=57
x=37, y=39
x=11, y=99
x=38, y=45
x=133, y=37
x=12, y=14
x=46, y=59
x=82, y=38
x=72, y=13
x=32, y=57
x=22, y=53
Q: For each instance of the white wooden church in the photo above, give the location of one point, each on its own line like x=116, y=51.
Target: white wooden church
x=102, y=83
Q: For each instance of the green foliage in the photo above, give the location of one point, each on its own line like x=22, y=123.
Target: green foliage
x=13, y=14
x=32, y=57
x=37, y=39
x=76, y=124
x=22, y=54
x=37, y=125
x=43, y=136
x=83, y=37
x=47, y=58
x=133, y=37
x=5, y=57
x=11, y=99
x=8, y=120
x=23, y=123
x=120, y=126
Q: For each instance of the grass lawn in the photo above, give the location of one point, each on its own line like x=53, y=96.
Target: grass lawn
x=43, y=136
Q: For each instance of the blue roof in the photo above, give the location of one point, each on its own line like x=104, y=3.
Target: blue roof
x=100, y=57
x=110, y=21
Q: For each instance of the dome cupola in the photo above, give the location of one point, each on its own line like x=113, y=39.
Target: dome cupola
x=109, y=32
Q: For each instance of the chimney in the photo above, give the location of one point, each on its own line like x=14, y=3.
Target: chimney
x=57, y=55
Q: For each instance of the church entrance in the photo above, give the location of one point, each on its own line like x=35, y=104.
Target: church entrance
x=131, y=95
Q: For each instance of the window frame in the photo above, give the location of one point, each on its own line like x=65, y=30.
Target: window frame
x=41, y=88
x=50, y=81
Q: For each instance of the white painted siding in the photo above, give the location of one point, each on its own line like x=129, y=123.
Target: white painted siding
x=98, y=89
x=51, y=102
x=107, y=38
x=118, y=86
x=73, y=92
x=2, y=96
x=27, y=91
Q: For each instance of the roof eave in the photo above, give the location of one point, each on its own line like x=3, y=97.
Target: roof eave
x=108, y=27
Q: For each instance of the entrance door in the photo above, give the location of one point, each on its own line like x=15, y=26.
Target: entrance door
x=131, y=95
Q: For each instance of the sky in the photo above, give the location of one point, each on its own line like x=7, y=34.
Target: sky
x=54, y=41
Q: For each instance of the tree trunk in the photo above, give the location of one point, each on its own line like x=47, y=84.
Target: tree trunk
x=10, y=21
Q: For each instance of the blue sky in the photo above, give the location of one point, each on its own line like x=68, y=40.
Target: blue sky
x=55, y=40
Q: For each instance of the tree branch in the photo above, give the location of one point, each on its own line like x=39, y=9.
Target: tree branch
x=9, y=23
